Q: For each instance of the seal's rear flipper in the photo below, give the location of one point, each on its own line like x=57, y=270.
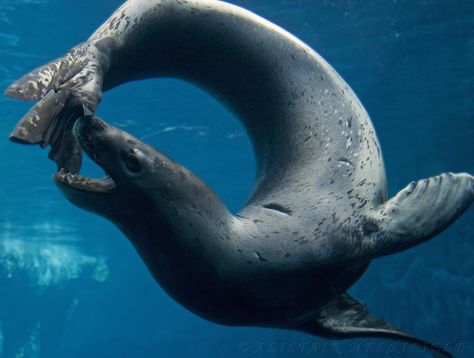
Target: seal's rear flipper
x=417, y=213
x=37, y=124
x=37, y=83
x=346, y=318
x=67, y=88
x=50, y=122
x=71, y=81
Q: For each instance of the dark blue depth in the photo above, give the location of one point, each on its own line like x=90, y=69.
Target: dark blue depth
x=72, y=286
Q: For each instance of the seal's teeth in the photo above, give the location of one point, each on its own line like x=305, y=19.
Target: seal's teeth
x=105, y=184
x=69, y=178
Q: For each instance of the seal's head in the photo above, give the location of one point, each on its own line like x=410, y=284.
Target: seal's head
x=142, y=184
x=130, y=166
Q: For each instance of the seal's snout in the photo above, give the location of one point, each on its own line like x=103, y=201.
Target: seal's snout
x=93, y=136
x=90, y=133
x=88, y=124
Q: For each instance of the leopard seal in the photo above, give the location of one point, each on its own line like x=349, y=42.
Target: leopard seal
x=319, y=212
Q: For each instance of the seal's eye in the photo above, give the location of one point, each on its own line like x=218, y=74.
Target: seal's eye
x=132, y=162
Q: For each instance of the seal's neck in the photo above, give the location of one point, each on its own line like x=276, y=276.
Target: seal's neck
x=170, y=207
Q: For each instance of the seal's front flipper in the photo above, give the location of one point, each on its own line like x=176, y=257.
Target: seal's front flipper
x=417, y=213
x=346, y=318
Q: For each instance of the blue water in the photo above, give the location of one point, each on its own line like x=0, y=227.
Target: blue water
x=72, y=286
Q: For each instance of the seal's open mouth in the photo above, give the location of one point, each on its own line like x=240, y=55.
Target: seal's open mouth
x=71, y=178
x=104, y=185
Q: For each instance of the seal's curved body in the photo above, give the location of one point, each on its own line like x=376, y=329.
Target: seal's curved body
x=319, y=211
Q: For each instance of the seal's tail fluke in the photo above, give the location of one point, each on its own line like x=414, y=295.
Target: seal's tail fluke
x=346, y=318
x=416, y=214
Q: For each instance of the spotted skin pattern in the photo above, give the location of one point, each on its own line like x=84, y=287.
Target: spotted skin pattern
x=319, y=212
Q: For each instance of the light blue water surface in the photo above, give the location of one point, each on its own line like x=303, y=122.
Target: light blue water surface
x=72, y=286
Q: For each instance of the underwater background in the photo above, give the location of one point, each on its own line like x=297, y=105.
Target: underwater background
x=71, y=285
